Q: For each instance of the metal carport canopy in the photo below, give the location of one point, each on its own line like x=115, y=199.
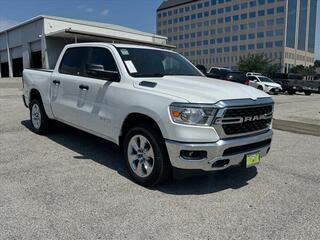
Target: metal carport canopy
x=90, y=36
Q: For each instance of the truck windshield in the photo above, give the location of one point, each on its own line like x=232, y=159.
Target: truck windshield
x=142, y=62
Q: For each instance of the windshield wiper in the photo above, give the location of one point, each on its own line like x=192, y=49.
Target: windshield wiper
x=148, y=75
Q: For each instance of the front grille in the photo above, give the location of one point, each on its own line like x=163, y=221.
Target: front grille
x=246, y=148
x=242, y=112
x=241, y=126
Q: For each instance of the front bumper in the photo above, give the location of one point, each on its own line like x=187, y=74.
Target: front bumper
x=273, y=90
x=230, y=151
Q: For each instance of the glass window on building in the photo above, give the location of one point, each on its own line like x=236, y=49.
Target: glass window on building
x=228, y=9
x=251, y=36
x=243, y=37
x=279, y=32
x=243, y=26
x=259, y=45
x=228, y=19
x=252, y=14
x=270, y=11
x=302, y=25
x=250, y=46
x=244, y=5
x=260, y=23
x=269, y=33
x=242, y=47
x=312, y=26
x=262, y=2
x=252, y=25
x=220, y=10
x=253, y=3
x=236, y=7
x=235, y=28
x=291, y=23
x=260, y=34
x=280, y=9
x=261, y=13
x=234, y=48
x=234, y=38
x=280, y=21
x=244, y=16
x=270, y=22
x=278, y=43
x=220, y=20
x=235, y=17
x=269, y=45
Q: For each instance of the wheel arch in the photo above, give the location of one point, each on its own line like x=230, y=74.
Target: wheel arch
x=134, y=119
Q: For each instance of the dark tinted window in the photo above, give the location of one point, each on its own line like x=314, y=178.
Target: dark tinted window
x=237, y=77
x=73, y=61
x=102, y=56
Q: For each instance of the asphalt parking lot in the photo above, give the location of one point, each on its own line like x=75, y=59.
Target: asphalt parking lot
x=72, y=185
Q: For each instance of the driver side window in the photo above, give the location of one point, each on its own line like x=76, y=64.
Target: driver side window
x=102, y=56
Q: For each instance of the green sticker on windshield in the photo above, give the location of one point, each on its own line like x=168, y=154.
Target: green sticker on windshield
x=124, y=52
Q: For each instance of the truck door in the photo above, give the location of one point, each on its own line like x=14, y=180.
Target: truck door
x=65, y=85
x=96, y=109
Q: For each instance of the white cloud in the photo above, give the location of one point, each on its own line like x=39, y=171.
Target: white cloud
x=89, y=10
x=6, y=23
x=105, y=12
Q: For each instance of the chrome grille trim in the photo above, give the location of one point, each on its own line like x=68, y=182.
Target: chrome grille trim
x=220, y=122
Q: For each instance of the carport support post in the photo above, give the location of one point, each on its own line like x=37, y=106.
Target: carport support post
x=9, y=57
x=44, y=52
x=26, y=53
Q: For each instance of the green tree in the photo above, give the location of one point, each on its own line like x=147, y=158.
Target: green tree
x=305, y=71
x=317, y=63
x=258, y=63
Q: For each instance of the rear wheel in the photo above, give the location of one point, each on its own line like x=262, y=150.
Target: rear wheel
x=38, y=117
x=308, y=93
x=291, y=92
x=260, y=88
x=146, y=156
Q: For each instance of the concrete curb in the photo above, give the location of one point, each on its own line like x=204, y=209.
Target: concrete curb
x=296, y=127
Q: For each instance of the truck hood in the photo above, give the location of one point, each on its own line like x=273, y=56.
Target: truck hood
x=197, y=89
x=271, y=84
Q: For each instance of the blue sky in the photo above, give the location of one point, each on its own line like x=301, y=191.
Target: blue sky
x=139, y=14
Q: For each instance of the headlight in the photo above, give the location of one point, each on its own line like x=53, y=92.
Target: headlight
x=192, y=114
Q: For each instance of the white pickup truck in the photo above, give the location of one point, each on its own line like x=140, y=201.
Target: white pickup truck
x=155, y=105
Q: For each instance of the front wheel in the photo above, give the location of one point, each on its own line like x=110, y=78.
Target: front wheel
x=38, y=117
x=146, y=156
x=308, y=93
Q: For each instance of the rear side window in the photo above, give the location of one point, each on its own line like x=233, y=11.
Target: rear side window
x=73, y=61
x=102, y=56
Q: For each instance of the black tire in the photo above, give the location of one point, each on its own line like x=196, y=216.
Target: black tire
x=162, y=168
x=291, y=92
x=260, y=88
x=44, y=122
x=308, y=93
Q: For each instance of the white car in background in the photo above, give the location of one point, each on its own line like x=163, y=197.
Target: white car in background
x=265, y=84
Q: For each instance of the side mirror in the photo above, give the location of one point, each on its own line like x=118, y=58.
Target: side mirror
x=97, y=70
x=202, y=69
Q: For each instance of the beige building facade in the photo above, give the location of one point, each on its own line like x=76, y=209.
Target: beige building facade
x=221, y=32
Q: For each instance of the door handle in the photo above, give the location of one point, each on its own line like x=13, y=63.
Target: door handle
x=56, y=82
x=84, y=87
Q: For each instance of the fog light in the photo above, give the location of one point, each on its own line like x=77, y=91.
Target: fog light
x=193, y=155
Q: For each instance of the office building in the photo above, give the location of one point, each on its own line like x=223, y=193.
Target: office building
x=220, y=32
